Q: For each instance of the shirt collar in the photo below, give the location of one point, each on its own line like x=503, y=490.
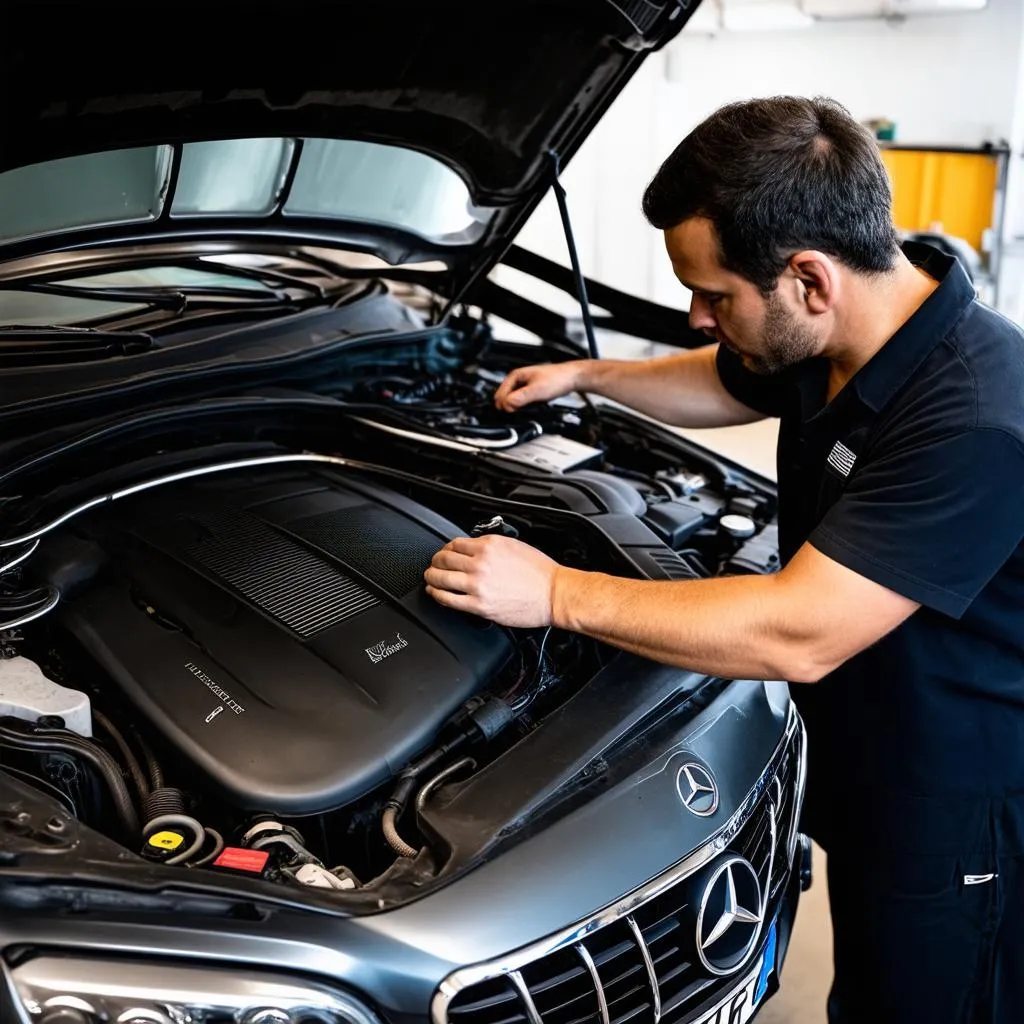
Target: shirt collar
x=892, y=366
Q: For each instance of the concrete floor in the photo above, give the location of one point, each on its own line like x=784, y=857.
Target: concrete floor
x=807, y=974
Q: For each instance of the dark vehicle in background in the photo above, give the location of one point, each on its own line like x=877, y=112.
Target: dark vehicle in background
x=250, y=773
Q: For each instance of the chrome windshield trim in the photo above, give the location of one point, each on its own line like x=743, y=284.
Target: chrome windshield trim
x=511, y=963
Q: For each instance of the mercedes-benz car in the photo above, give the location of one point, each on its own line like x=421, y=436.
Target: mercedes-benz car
x=250, y=335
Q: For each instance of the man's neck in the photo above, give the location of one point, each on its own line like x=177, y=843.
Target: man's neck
x=875, y=308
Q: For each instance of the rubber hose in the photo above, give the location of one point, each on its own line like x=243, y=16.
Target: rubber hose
x=178, y=821
x=60, y=741
x=134, y=768
x=163, y=801
x=427, y=791
x=395, y=841
x=218, y=849
x=153, y=766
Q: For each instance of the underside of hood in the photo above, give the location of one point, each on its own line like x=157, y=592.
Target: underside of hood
x=501, y=91
x=490, y=87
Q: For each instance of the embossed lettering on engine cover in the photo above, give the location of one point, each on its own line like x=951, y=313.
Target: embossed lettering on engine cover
x=378, y=652
x=213, y=687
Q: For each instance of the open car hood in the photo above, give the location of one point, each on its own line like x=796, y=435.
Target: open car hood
x=501, y=92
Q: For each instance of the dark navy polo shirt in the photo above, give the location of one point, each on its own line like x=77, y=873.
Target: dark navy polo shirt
x=913, y=476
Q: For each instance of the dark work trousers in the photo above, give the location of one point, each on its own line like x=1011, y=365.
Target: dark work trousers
x=927, y=938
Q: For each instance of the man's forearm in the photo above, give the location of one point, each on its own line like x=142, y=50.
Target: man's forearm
x=682, y=390
x=734, y=627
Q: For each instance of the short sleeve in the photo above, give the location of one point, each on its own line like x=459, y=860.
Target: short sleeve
x=762, y=393
x=934, y=519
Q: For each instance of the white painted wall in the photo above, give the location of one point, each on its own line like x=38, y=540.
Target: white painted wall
x=947, y=78
x=944, y=78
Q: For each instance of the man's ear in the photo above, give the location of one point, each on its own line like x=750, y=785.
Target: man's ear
x=818, y=279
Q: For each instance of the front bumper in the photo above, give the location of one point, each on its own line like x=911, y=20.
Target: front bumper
x=643, y=959
x=398, y=960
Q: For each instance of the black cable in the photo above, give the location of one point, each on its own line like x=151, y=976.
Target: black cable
x=540, y=654
x=153, y=767
x=132, y=762
x=520, y=703
x=61, y=741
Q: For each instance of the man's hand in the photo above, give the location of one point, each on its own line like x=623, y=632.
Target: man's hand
x=496, y=577
x=539, y=383
x=682, y=390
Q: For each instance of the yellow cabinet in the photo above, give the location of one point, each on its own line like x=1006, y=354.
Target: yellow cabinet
x=950, y=191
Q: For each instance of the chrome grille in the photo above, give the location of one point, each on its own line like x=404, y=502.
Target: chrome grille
x=642, y=966
x=491, y=1002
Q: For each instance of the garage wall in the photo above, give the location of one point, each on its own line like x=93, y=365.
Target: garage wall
x=948, y=78
x=973, y=92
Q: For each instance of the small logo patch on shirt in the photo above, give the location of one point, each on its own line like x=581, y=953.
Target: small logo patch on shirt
x=979, y=879
x=841, y=459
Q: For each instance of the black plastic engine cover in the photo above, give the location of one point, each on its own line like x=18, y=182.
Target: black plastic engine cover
x=273, y=626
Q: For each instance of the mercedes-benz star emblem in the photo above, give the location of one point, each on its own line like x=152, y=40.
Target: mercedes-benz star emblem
x=697, y=789
x=730, y=917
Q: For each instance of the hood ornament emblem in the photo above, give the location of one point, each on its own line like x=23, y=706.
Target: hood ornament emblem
x=697, y=789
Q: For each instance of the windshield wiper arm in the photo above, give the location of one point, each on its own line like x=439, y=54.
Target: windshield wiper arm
x=175, y=300
x=32, y=345
x=158, y=298
x=261, y=274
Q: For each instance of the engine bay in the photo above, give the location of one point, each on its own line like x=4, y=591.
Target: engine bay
x=232, y=665
x=274, y=625
x=571, y=455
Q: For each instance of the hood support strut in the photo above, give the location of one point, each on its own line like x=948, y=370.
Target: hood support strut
x=581, y=285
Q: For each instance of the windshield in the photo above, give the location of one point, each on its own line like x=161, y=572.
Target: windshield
x=336, y=179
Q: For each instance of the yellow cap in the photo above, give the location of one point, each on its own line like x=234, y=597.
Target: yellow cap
x=166, y=840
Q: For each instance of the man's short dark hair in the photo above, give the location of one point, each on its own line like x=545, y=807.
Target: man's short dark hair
x=776, y=176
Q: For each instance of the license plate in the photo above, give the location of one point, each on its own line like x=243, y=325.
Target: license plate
x=742, y=1002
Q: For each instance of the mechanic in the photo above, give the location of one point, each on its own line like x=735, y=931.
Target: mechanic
x=901, y=513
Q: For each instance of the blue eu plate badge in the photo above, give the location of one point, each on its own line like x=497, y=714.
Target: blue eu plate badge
x=742, y=1002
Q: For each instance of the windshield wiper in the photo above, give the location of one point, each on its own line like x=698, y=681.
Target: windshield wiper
x=263, y=275
x=34, y=345
x=176, y=300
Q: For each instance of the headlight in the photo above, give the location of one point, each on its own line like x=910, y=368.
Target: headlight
x=58, y=990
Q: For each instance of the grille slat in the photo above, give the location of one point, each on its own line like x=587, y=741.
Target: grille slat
x=532, y=1016
x=686, y=999
x=588, y=962
x=652, y=977
x=490, y=1002
x=644, y=968
x=562, y=989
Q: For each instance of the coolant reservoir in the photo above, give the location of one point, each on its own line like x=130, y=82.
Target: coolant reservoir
x=27, y=694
